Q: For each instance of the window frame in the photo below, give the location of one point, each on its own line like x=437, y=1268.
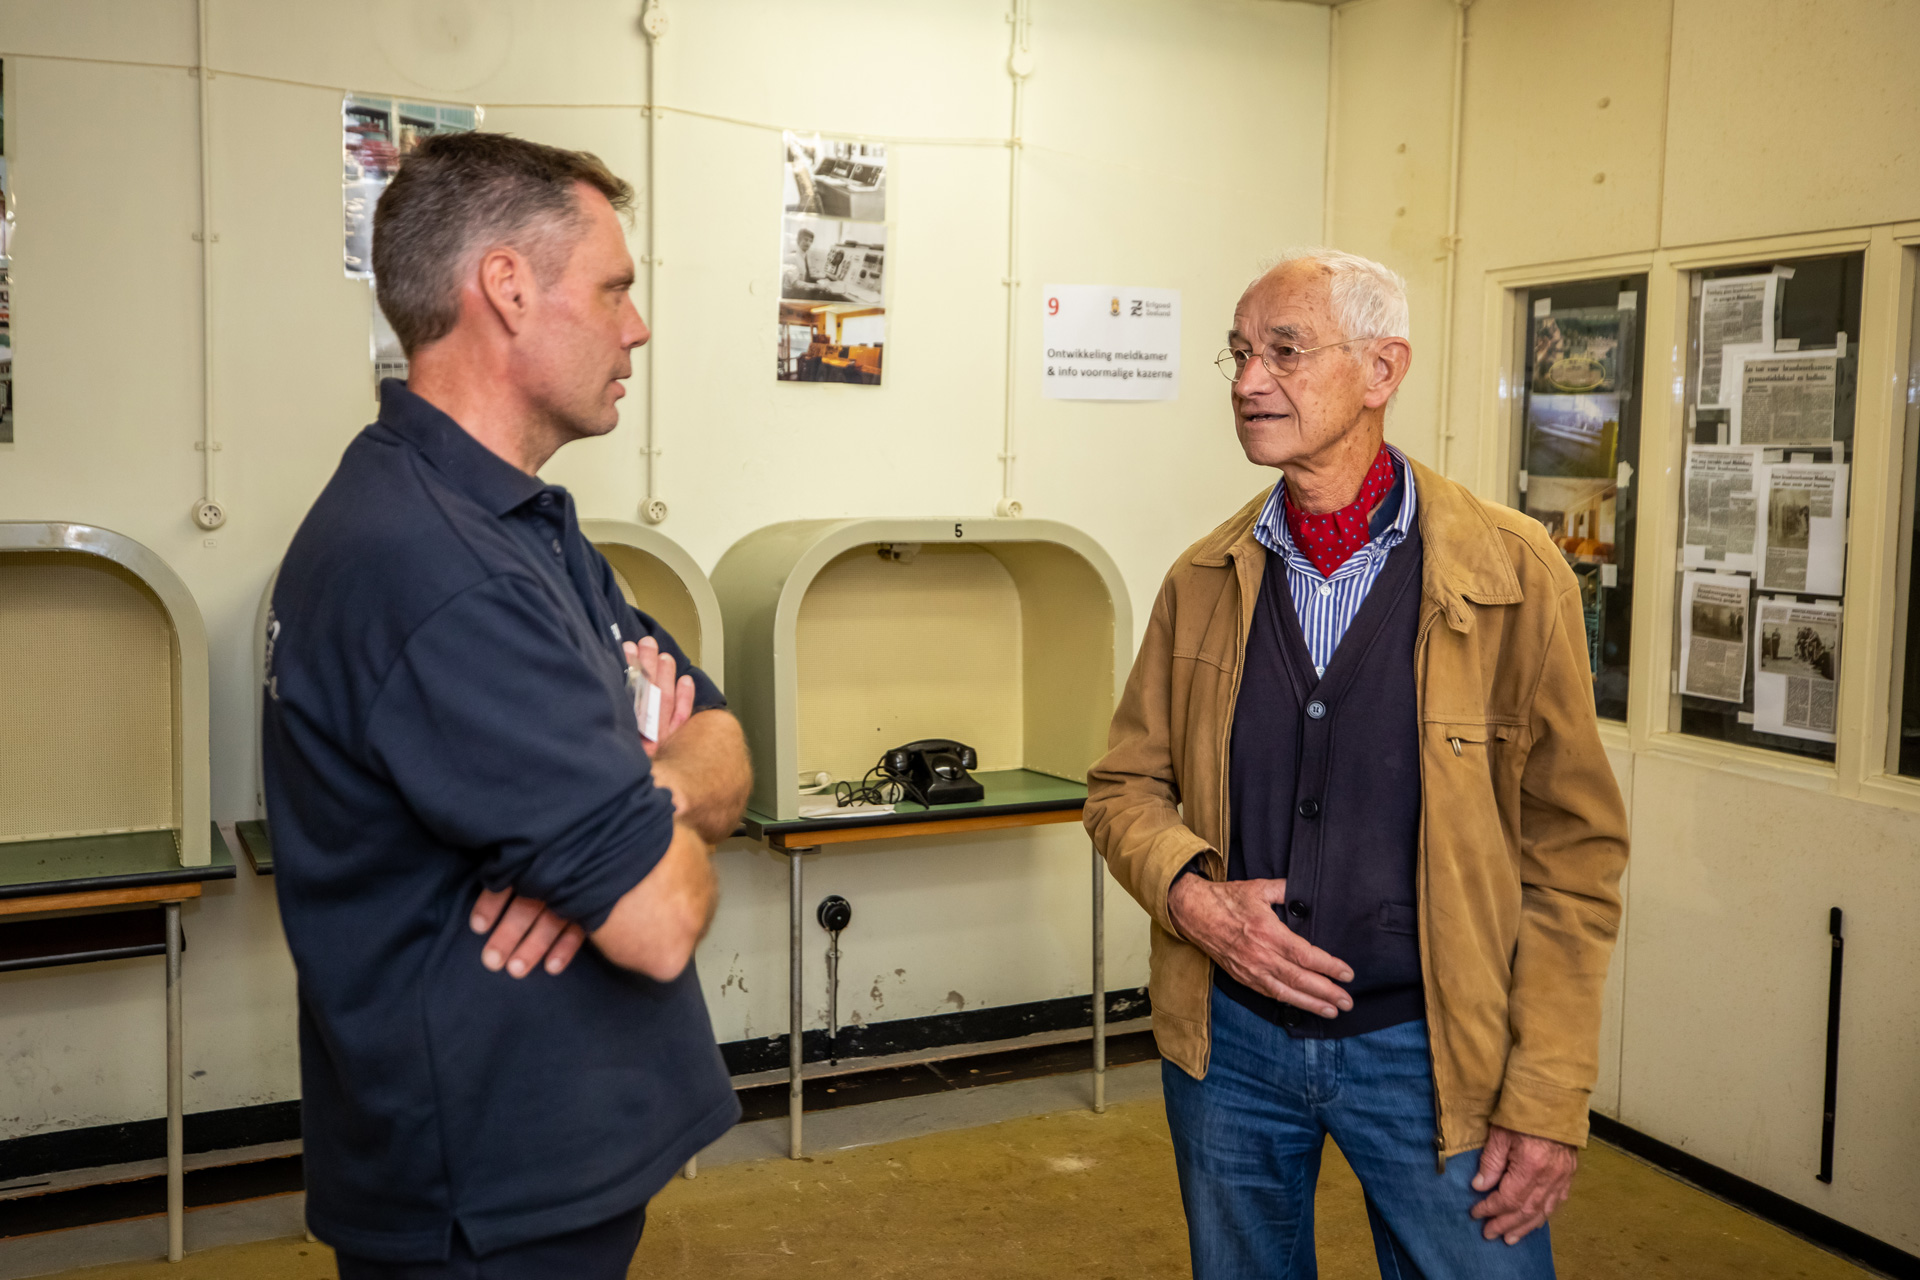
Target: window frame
x=1907, y=494
x=1867, y=641
x=1515, y=393
x=1498, y=457
x=1881, y=507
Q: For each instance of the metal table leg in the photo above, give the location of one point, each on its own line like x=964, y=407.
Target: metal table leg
x=1099, y=982
x=795, y=1023
x=176, y=1144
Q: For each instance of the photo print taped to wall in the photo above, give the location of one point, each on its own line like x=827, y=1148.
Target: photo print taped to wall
x=833, y=261
x=376, y=134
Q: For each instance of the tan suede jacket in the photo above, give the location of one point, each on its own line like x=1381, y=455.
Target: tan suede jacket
x=1523, y=836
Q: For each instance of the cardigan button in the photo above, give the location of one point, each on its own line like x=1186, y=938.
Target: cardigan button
x=1316, y=709
x=1309, y=808
x=1299, y=910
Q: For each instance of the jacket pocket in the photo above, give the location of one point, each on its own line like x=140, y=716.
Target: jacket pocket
x=1218, y=661
x=1463, y=735
x=1398, y=917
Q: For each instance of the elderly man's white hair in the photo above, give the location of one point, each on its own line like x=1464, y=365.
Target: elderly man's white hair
x=1369, y=300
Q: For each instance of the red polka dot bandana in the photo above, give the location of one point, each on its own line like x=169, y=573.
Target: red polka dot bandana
x=1330, y=540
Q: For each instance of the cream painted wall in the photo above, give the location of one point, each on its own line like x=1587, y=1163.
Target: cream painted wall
x=1136, y=174
x=1388, y=178
x=1651, y=132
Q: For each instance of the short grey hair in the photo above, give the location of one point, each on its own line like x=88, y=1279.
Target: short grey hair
x=457, y=193
x=1369, y=300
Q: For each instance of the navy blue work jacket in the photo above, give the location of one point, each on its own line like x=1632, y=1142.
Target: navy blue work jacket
x=445, y=709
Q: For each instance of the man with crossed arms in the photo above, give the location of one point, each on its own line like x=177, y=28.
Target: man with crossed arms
x=448, y=727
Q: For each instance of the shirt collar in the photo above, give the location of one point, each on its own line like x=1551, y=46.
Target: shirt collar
x=1271, y=527
x=482, y=474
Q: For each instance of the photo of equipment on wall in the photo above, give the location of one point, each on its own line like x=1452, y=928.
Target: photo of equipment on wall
x=836, y=178
x=825, y=260
x=830, y=342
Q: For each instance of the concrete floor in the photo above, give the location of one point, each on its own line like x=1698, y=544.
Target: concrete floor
x=1066, y=1193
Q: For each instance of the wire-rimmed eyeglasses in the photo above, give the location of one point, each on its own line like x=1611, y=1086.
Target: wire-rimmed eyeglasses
x=1281, y=361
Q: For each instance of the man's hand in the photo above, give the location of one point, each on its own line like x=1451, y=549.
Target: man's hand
x=1235, y=923
x=676, y=695
x=707, y=769
x=1530, y=1177
x=523, y=932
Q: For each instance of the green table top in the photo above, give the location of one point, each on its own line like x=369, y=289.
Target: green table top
x=1008, y=791
x=79, y=863
x=257, y=843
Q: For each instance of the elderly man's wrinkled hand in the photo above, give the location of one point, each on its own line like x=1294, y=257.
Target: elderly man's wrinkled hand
x=1236, y=923
x=1530, y=1177
x=525, y=935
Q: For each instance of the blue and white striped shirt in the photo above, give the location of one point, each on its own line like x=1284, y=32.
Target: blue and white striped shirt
x=1326, y=606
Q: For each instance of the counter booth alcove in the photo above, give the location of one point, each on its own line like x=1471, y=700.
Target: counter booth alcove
x=655, y=574
x=104, y=824
x=847, y=637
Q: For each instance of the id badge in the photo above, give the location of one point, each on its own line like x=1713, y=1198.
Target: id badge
x=646, y=703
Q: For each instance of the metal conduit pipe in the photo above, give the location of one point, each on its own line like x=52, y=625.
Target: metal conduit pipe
x=654, y=22
x=1019, y=66
x=1333, y=118
x=207, y=512
x=1452, y=242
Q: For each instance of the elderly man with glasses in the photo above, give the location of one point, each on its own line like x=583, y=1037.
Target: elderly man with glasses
x=1356, y=781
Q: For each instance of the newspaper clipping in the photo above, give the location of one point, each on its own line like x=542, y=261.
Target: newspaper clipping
x=1796, y=669
x=1804, y=543
x=1784, y=399
x=1738, y=309
x=1720, y=507
x=1713, y=635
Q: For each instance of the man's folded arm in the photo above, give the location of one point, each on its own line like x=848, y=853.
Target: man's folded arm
x=706, y=766
x=505, y=743
x=655, y=926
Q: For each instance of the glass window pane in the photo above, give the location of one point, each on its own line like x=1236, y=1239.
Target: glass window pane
x=1907, y=725
x=1772, y=361
x=1579, y=425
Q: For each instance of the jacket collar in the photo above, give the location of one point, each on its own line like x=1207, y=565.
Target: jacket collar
x=1463, y=560
x=483, y=475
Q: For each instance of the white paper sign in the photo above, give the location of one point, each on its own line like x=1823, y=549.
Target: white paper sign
x=1106, y=343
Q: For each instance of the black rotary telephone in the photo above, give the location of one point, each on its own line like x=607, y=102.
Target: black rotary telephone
x=934, y=771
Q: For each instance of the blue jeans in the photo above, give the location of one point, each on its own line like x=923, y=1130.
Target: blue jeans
x=1247, y=1141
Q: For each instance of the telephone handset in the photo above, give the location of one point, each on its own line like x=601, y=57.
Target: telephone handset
x=934, y=771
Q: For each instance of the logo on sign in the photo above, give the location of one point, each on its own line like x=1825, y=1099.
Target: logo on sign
x=1116, y=306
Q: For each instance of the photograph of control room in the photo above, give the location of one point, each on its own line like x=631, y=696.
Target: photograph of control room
x=836, y=178
x=831, y=342
x=827, y=260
